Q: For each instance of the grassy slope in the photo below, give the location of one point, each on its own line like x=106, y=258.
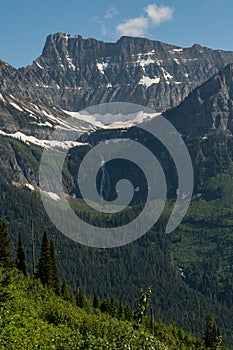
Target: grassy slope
x=206, y=230
x=32, y=317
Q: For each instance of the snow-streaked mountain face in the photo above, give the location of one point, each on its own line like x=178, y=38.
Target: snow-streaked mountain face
x=113, y=121
x=74, y=73
x=35, y=123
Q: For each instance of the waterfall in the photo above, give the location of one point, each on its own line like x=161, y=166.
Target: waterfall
x=105, y=185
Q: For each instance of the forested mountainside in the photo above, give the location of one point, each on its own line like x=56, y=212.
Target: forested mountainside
x=40, y=311
x=34, y=315
x=191, y=268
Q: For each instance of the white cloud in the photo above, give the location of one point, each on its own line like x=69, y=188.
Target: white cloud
x=104, y=21
x=111, y=12
x=159, y=14
x=138, y=26
x=133, y=27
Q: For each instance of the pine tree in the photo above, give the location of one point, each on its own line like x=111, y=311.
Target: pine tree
x=5, y=246
x=20, y=257
x=112, y=306
x=142, y=306
x=104, y=305
x=212, y=335
x=81, y=299
x=96, y=302
x=44, y=267
x=128, y=313
x=54, y=282
x=65, y=290
x=120, y=312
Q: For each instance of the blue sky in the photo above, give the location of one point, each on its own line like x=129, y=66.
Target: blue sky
x=25, y=24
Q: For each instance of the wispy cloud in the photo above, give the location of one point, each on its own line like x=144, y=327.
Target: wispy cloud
x=138, y=26
x=135, y=26
x=104, y=21
x=111, y=12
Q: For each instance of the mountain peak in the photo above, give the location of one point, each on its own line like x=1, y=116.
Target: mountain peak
x=208, y=108
x=73, y=73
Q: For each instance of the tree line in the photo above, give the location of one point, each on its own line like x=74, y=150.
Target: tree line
x=47, y=272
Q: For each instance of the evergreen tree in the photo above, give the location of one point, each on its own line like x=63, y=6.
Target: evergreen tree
x=212, y=335
x=44, y=267
x=96, y=302
x=120, y=312
x=5, y=246
x=20, y=257
x=142, y=306
x=55, y=282
x=80, y=298
x=128, y=312
x=112, y=306
x=109, y=305
x=65, y=290
x=104, y=305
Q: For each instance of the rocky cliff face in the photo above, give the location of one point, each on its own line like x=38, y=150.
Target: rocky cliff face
x=208, y=108
x=18, y=116
x=74, y=73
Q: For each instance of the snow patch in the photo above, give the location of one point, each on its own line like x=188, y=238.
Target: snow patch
x=43, y=143
x=159, y=62
x=177, y=50
x=70, y=62
x=189, y=59
x=144, y=59
x=113, y=121
x=181, y=272
x=144, y=62
x=43, y=124
x=45, y=86
x=35, y=106
x=102, y=66
x=38, y=65
x=166, y=75
x=28, y=110
x=147, y=81
x=30, y=187
x=52, y=195
x=16, y=106
x=176, y=60
x=2, y=98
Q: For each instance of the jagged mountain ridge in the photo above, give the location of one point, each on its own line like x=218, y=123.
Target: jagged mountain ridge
x=73, y=73
x=36, y=120
x=209, y=108
x=25, y=94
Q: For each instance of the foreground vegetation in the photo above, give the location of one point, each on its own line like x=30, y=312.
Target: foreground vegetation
x=39, y=313
x=34, y=317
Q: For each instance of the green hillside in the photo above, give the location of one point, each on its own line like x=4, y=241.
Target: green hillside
x=33, y=317
x=201, y=246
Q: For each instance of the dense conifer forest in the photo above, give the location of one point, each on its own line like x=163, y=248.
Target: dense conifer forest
x=38, y=312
